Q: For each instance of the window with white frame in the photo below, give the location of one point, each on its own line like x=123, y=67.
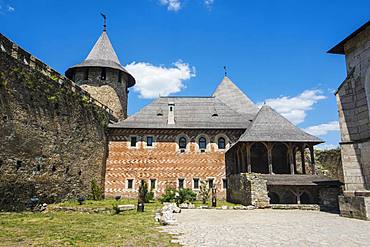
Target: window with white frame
x=149, y=141
x=182, y=144
x=224, y=183
x=196, y=183
x=211, y=182
x=202, y=142
x=221, y=143
x=130, y=184
x=181, y=183
x=133, y=141
x=153, y=184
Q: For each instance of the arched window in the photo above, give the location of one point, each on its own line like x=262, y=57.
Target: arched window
x=221, y=143
x=182, y=143
x=202, y=143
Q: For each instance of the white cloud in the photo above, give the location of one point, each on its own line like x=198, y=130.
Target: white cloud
x=172, y=5
x=295, y=108
x=209, y=3
x=326, y=146
x=153, y=81
x=323, y=129
x=11, y=8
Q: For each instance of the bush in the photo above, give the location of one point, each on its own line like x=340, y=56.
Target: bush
x=96, y=191
x=149, y=196
x=186, y=195
x=168, y=196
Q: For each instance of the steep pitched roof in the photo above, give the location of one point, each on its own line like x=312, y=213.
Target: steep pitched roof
x=103, y=55
x=269, y=125
x=103, y=50
x=232, y=96
x=339, y=48
x=190, y=113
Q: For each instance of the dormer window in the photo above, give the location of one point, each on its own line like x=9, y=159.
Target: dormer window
x=214, y=115
x=103, y=74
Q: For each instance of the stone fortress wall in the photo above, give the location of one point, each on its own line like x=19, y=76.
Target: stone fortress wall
x=52, y=133
x=353, y=99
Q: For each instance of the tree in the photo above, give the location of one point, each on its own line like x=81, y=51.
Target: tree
x=204, y=192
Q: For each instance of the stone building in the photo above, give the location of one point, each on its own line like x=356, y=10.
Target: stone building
x=103, y=77
x=353, y=99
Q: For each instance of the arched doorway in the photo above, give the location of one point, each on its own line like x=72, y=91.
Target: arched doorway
x=259, y=158
x=274, y=198
x=280, y=163
x=305, y=198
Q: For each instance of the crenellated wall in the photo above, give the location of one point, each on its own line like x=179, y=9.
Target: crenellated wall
x=52, y=133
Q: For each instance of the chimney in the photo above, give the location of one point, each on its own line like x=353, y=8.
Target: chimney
x=171, y=113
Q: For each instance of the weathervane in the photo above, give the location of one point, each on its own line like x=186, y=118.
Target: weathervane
x=225, y=70
x=105, y=21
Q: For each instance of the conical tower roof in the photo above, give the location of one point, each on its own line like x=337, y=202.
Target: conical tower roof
x=270, y=126
x=103, y=55
x=233, y=97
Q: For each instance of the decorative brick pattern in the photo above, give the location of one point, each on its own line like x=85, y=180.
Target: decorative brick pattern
x=163, y=162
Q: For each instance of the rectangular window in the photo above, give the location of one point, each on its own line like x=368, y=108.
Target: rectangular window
x=149, y=141
x=153, y=183
x=224, y=183
x=119, y=76
x=130, y=184
x=86, y=74
x=103, y=74
x=133, y=141
x=210, y=183
x=196, y=183
x=181, y=183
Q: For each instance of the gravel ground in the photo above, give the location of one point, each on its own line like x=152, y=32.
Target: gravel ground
x=266, y=227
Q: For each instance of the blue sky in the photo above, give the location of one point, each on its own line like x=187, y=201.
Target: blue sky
x=275, y=51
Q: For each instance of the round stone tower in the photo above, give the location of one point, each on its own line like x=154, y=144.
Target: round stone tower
x=102, y=75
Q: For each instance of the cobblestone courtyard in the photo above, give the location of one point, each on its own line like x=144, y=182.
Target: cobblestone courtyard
x=268, y=228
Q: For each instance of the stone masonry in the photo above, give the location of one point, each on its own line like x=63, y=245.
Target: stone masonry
x=353, y=99
x=248, y=189
x=52, y=133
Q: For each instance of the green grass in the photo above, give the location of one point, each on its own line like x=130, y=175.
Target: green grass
x=83, y=229
x=86, y=229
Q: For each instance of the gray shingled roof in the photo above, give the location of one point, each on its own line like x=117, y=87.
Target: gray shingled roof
x=269, y=125
x=103, y=55
x=190, y=113
x=232, y=96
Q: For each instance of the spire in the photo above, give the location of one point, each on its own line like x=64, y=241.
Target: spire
x=105, y=22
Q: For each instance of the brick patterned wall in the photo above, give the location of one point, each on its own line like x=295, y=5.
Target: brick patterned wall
x=164, y=162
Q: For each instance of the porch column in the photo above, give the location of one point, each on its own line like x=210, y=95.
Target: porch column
x=269, y=154
x=243, y=167
x=303, y=160
x=295, y=159
x=237, y=161
x=290, y=157
x=313, y=163
x=249, y=165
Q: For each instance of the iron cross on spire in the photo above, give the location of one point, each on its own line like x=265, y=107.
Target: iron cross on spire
x=225, y=69
x=105, y=21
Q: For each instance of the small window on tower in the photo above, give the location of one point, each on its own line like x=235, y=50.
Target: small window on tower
x=103, y=74
x=224, y=183
x=210, y=183
x=86, y=74
x=119, y=76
